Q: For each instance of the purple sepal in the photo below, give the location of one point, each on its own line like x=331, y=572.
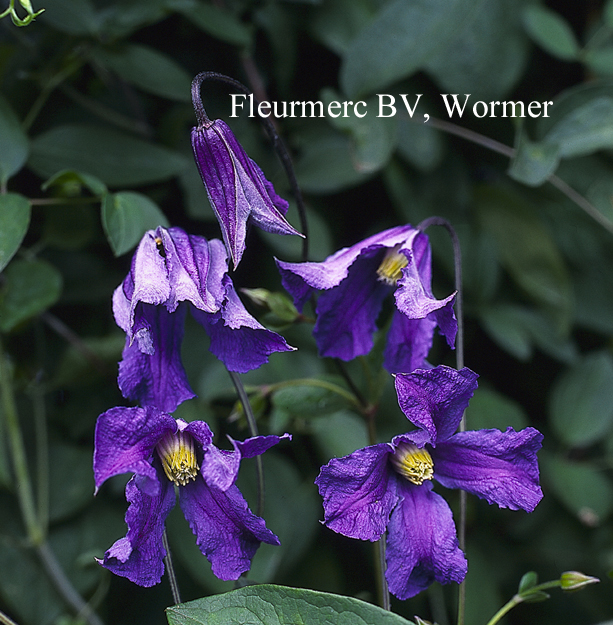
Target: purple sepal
x=237, y=188
x=500, y=467
x=124, y=442
x=422, y=545
x=139, y=555
x=408, y=343
x=435, y=399
x=226, y=531
x=359, y=492
x=237, y=338
x=157, y=378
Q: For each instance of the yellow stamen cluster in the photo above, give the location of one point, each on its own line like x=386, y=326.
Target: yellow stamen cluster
x=413, y=463
x=178, y=457
x=390, y=269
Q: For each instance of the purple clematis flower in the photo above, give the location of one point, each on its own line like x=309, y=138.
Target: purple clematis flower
x=237, y=188
x=355, y=280
x=163, y=453
x=389, y=485
x=170, y=270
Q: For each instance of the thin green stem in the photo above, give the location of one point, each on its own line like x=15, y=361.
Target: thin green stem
x=520, y=598
x=64, y=201
x=42, y=455
x=5, y=620
x=18, y=454
x=170, y=571
x=253, y=429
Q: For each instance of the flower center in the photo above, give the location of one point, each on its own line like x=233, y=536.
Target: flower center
x=178, y=457
x=413, y=463
x=390, y=269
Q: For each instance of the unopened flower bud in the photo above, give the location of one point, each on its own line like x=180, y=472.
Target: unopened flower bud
x=573, y=580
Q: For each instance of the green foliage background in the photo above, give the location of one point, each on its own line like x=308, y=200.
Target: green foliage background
x=95, y=115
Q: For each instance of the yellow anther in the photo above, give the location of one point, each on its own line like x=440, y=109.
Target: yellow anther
x=390, y=269
x=413, y=463
x=178, y=457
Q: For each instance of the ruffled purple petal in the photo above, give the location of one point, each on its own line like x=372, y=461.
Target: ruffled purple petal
x=435, y=399
x=408, y=343
x=422, y=546
x=359, y=492
x=124, y=441
x=414, y=296
x=236, y=187
x=200, y=432
x=500, y=467
x=156, y=378
x=220, y=467
x=300, y=279
x=347, y=314
x=139, y=555
x=226, y=531
x=237, y=338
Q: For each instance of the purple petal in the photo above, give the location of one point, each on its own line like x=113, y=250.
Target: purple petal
x=139, y=556
x=421, y=544
x=124, y=442
x=359, y=492
x=347, y=314
x=236, y=186
x=237, y=339
x=199, y=430
x=156, y=378
x=227, y=532
x=500, y=467
x=220, y=467
x=435, y=399
x=408, y=343
x=300, y=279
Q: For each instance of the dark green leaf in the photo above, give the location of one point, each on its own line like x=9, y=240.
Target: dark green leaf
x=419, y=144
x=418, y=31
x=13, y=143
x=340, y=434
x=311, y=398
x=116, y=158
x=489, y=409
x=126, y=216
x=536, y=597
x=551, y=31
x=15, y=213
x=150, y=70
x=71, y=183
x=30, y=288
x=600, y=60
x=581, y=407
x=278, y=605
x=74, y=17
x=534, y=162
x=583, y=488
x=528, y=580
x=215, y=21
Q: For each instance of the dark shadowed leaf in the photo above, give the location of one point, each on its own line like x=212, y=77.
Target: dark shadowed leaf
x=551, y=31
x=13, y=143
x=15, y=213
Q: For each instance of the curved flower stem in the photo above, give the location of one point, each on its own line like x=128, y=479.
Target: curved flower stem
x=457, y=263
x=277, y=143
x=253, y=430
x=5, y=620
x=170, y=569
x=501, y=148
x=521, y=597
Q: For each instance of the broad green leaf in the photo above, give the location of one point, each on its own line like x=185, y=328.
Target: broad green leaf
x=15, y=213
x=71, y=183
x=119, y=20
x=528, y=580
x=312, y=398
x=551, y=31
x=486, y=58
x=534, y=162
x=600, y=60
x=528, y=251
x=279, y=605
x=583, y=488
x=419, y=144
x=126, y=216
x=213, y=20
x=147, y=68
x=116, y=158
x=399, y=41
x=30, y=288
x=74, y=17
x=13, y=143
x=581, y=406
x=339, y=434
x=489, y=409
x=587, y=128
